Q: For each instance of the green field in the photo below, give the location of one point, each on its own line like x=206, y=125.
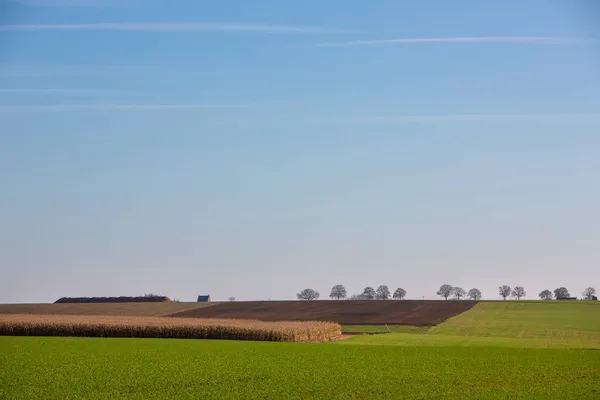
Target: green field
x=384, y=329
x=496, y=350
x=403, y=339
x=95, y=368
x=563, y=320
x=519, y=324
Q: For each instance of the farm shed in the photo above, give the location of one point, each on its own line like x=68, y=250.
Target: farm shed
x=204, y=298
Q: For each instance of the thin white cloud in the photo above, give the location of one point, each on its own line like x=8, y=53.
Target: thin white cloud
x=56, y=91
x=40, y=71
x=55, y=3
x=115, y=107
x=524, y=40
x=168, y=27
x=480, y=117
x=80, y=3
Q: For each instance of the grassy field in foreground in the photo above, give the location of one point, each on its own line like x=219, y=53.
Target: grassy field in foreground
x=95, y=368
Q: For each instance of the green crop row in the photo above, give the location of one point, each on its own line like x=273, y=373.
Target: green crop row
x=76, y=368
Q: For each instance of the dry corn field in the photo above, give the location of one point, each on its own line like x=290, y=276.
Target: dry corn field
x=157, y=327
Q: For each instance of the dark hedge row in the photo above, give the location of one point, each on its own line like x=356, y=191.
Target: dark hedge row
x=121, y=299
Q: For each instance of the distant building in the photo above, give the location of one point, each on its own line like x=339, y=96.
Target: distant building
x=204, y=298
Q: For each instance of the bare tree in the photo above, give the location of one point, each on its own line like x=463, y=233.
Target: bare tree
x=308, y=295
x=545, y=295
x=369, y=293
x=561, y=293
x=518, y=292
x=504, y=291
x=589, y=293
x=231, y=298
x=383, y=293
x=338, y=292
x=399, y=294
x=474, y=294
x=458, y=293
x=445, y=291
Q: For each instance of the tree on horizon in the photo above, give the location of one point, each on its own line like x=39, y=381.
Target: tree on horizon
x=369, y=293
x=458, y=293
x=445, y=291
x=382, y=292
x=589, y=293
x=338, y=292
x=545, y=295
x=474, y=294
x=561, y=293
x=504, y=291
x=399, y=294
x=308, y=295
x=518, y=292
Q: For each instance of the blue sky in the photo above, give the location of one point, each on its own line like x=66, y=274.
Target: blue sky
x=252, y=149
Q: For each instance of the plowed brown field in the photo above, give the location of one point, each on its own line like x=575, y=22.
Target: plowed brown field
x=113, y=309
x=345, y=312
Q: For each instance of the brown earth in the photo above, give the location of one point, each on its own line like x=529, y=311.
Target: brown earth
x=110, y=309
x=344, y=312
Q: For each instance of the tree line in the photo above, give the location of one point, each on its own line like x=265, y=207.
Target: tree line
x=446, y=291
x=338, y=292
